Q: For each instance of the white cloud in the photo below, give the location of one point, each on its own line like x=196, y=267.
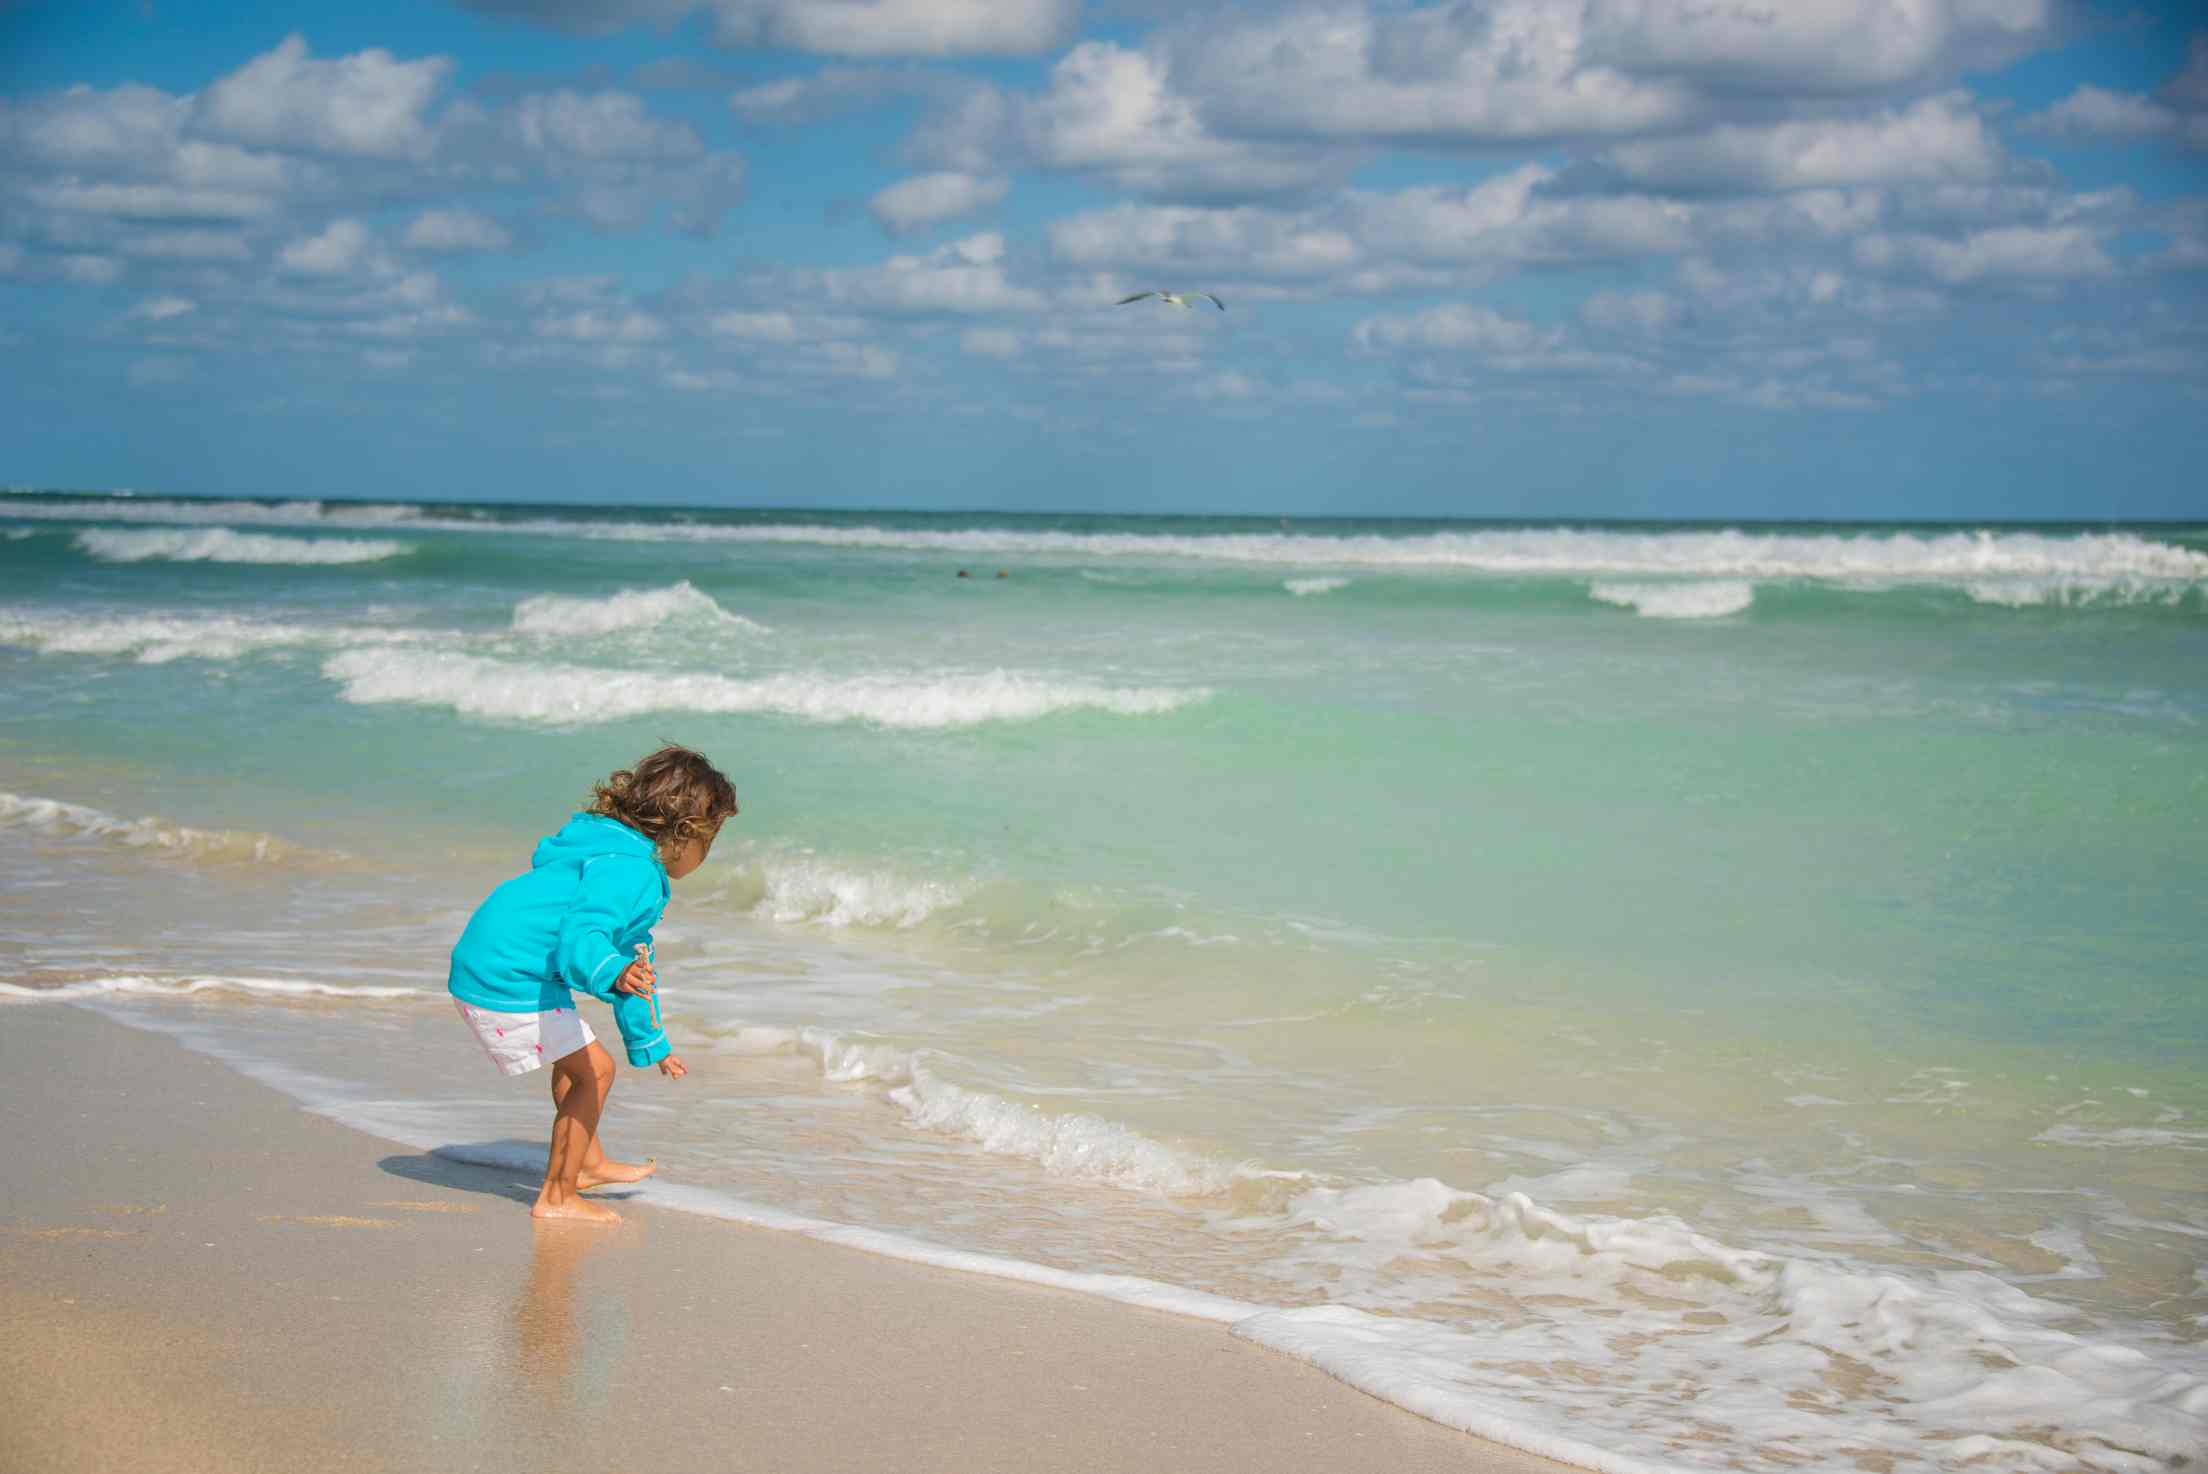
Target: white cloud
x=2096, y=110
x=91, y=270
x=1114, y=112
x=990, y=342
x=147, y=201
x=1457, y=327
x=340, y=248
x=965, y=276
x=1647, y=313
x=896, y=27
x=592, y=325
x=1201, y=242
x=835, y=27
x=1815, y=46
x=600, y=127
x=929, y=199
x=1937, y=138
x=456, y=230
x=161, y=309
x=2018, y=253
x=1513, y=71
x=187, y=245
x=368, y=104
x=833, y=89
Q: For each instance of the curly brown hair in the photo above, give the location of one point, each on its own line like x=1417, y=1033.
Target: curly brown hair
x=670, y=797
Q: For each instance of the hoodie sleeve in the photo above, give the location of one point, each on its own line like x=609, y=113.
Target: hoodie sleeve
x=618, y=896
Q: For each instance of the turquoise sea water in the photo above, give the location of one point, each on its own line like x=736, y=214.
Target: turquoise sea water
x=1754, y=972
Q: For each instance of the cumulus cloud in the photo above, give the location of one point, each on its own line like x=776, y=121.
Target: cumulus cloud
x=1823, y=47
x=832, y=27
x=368, y=104
x=591, y=325
x=1114, y=112
x=2178, y=112
x=834, y=89
x=161, y=309
x=1938, y=138
x=456, y=230
x=335, y=251
x=965, y=276
x=2015, y=253
x=930, y=199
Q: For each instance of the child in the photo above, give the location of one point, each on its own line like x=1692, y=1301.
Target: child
x=583, y=917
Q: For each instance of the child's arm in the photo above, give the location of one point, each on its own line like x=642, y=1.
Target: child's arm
x=616, y=895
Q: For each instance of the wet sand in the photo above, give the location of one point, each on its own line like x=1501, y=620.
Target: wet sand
x=197, y=1275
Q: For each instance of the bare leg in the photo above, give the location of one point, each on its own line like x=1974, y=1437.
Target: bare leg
x=599, y=1170
x=589, y=1079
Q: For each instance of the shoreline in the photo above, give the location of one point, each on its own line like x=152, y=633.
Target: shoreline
x=202, y=1275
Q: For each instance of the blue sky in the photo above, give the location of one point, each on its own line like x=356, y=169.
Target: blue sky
x=1646, y=258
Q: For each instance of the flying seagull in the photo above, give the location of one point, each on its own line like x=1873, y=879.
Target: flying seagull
x=1173, y=299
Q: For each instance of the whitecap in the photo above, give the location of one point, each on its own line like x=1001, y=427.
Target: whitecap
x=561, y=615
x=518, y=691
x=221, y=545
x=1712, y=600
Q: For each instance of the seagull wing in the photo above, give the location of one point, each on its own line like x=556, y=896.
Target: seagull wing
x=1214, y=300
x=1122, y=302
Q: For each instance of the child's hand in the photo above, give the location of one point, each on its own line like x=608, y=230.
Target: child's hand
x=638, y=977
x=673, y=1068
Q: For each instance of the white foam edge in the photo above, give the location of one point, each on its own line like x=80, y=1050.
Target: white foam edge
x=1336, y=1340
x=185, y=987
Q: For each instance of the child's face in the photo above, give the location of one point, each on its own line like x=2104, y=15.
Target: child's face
x=692, y=854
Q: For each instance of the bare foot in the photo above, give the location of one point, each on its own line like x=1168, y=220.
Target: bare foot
x=580, y=1209
x=609, y=1171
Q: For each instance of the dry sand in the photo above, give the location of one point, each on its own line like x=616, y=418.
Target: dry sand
x=195, y=1274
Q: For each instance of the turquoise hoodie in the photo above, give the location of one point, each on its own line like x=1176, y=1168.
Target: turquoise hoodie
x=594, y=892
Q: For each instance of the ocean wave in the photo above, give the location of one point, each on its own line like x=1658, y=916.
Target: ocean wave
x=559, y=615
x=1711, y=600
x=2108, y=563
x=1303, y=588
x=56, y=818
x=1663, y=1347
x=2075, y=592
x=1629, y=1345
x=221, y=545
x=188, y=987
x=809, y=890
x=174, y=511
x=1966, y=1370
x=564, y=694
x=1077, y=1145
x=158, y=638
x=1560, y=551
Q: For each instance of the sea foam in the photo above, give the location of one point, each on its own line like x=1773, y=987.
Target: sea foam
x=56, y=818
x=1710, y=600
x=158, y=638
x=573, y=695
x=559, y=615
x=221, y=545
x=132, y=985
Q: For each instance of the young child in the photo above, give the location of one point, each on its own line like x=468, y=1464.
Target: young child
x=582, y=918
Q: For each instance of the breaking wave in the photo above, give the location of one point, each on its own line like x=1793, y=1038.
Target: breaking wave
x=157, y=638
x=1678, y=600
x=555, y=615
x=221, y=545
x=572, y=695
x=187, y=987
x=57, y=819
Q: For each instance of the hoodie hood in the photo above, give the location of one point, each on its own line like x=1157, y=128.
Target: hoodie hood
x=586, y=837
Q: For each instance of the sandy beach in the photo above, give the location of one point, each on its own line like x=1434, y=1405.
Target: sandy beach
x=199, y=1275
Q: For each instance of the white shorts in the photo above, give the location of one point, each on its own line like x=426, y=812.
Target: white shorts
x=518, y=1042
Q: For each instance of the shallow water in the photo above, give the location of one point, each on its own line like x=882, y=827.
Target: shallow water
x=1727, y=996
